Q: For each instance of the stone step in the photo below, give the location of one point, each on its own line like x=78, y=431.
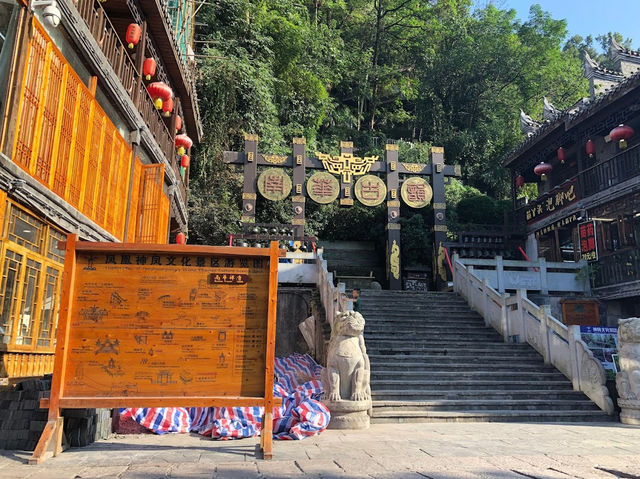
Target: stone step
x=415, y=309
x=453, y=348
x=539, y=375
x=438, y=357
x=414, y=395
x=469, y=385
x=505, y=366
x=434, y=334
x=479, y=404
x=490, y=416
x=451, y=344
x=444, y=323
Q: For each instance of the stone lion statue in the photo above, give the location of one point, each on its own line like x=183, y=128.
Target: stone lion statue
x=628, y=379
x=347, y=373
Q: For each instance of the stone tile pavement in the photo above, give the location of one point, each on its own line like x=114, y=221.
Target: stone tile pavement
x=386, y=451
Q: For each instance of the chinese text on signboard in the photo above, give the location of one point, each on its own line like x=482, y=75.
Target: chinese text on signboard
x=561, y=197
x=588, y=242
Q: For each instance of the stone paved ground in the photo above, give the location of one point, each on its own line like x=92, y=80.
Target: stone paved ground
x=386, y=451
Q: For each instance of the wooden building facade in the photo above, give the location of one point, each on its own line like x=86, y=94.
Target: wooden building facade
x=84, y=148
x=589, y=206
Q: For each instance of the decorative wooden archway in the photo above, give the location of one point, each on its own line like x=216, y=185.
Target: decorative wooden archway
x=323, y=187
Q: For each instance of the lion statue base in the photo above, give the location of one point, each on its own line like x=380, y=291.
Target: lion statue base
x=628, y=378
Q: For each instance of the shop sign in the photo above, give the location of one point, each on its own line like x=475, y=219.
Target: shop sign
x=557, y=224
x=588, y=242
x=557, y=199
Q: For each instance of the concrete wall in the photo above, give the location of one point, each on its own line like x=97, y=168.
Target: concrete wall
x=294, y=306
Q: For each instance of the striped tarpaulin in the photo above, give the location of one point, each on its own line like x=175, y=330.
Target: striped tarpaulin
x=301, y=414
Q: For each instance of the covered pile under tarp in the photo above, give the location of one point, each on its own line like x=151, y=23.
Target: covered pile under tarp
x=301, y=414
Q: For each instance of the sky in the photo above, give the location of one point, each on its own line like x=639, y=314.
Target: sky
x=585, y=17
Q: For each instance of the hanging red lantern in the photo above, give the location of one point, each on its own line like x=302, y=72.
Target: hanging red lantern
x=181, y=238
x=591, y=148
x=562, y=155
x=621, y=134
x=542, y=170
x=183, y=143
x=133, y=35
x=149, y=68
x=160, y=92
x=167, y=107
x=519, y=181
x=184, y=161
x=178, y=123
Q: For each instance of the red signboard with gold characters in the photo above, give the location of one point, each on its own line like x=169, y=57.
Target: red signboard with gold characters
x=588, y=241
x=146, y=325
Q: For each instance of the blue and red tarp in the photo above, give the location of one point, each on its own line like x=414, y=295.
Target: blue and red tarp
x=301, y=414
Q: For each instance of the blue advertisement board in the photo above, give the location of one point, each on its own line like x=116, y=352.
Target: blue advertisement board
x=603, y=342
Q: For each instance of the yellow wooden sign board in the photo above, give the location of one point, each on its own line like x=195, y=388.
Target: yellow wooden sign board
x=164, y=326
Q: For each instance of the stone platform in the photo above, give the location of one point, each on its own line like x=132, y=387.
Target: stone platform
x=385, y=451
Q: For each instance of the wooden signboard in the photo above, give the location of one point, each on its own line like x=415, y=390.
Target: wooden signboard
x=164, y=326
x=582, y=312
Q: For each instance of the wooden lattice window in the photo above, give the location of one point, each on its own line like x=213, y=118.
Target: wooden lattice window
x=134, y=212
x=47, y=131
x=31, y=99
x=31, y=282
x=66, y=141
x=151, y=205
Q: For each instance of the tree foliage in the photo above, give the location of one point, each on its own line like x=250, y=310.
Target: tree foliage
x=428, y=72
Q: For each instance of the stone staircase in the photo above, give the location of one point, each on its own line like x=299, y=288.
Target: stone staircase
x=434, y=360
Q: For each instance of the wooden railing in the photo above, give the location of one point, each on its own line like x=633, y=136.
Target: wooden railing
x=620, y=267
x=622, y=167
x=520, y=320
x=105, y=34
x=116, y=53
x=617, y=169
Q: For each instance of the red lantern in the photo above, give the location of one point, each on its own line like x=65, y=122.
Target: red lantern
x=167, y=107
x=591, y=148
x=133, y=35
x=562, y=155
x=160, y=92
x=183, y=143
x=181, y=238
x=178, y=123
x=621, y=134
x=149, y=68
x=542, y=170
x=184, y=161
x=519, y=181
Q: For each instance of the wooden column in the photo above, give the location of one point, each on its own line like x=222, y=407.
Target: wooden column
x=439, y=209
x=299, y=187
x=249, y=186
x=139, y=61
x=346, y=188
x=394, y=270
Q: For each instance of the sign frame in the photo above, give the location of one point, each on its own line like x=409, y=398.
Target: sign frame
x=51, y=439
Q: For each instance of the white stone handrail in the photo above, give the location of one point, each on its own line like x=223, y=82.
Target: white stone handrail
x=520, y=320
x=538, y=275
x=333, y=298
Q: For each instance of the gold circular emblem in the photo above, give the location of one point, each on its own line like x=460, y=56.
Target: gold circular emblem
x=370, y=190
x=416, y=192
x=323, y=187
x=274, y=184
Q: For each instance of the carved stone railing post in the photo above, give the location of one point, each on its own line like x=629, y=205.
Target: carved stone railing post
x=345, y=380
x=628, y=379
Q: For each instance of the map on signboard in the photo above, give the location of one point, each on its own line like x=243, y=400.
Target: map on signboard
x=603, y=343
x=159, y=324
